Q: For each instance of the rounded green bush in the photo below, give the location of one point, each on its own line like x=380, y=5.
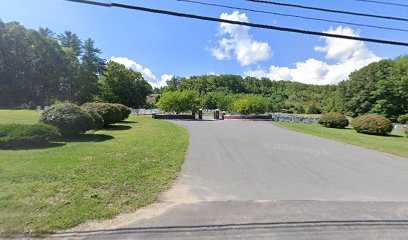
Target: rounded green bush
x=333, y=120
x=372, y=124
x=124, y=110
x=108, y=111
x=249, y=104
x=403, y=119
x=24, y=135
x=69, y=118
x=99, y=123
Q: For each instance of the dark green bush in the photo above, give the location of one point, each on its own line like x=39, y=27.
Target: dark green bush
x=98, y=120
x=403, y=119
x=23, y=135
x=313, y=109
x=406, y=131
x=108, y=111
x=249, y=104
x=69, y=118
x=372, y=124
x=334, y=120
x=124, y=110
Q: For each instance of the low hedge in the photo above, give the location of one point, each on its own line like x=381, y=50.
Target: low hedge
x=69, y=118
x=372, y=124
x=109, y=112
x=124, y=110
x=24, y=135
x=333, y=120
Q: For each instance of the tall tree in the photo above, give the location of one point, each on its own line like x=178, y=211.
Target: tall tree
x=71, y=40
x=121, y=85
x=86, y=83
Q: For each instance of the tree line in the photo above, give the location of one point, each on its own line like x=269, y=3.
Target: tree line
x=39, y=67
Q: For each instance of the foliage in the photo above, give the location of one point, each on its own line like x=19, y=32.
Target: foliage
x=216, y=100
x=380, y=87
x=313, y=109
x=98, y=120
x=121, y=85
x=179, y=101
x=249, y=104
x=26, y=136
x=69, y=118
x=406, y=131
x=403, y=119
x=333, y=120
x=38, y=68
x=124, y=110
x=372, y=124
x=109, y=112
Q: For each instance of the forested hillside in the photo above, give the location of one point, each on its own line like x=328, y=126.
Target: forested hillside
x=42, y=67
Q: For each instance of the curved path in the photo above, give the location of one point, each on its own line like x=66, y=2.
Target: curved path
x=245, y=179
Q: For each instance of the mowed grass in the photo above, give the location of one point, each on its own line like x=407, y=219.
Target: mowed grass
x=395, y=143
x=96, y=176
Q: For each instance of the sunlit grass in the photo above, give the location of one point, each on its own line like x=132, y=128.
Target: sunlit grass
x=95, y=176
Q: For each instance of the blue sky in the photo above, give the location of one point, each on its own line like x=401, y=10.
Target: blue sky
x=184, y=47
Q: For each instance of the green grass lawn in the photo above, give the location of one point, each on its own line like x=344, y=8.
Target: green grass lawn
x=96, y=176
x=396, y=143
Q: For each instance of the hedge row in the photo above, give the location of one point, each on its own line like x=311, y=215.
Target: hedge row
x=24, y=135
x=71, y=119
x=368, y=124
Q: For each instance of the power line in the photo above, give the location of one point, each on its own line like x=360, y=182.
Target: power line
x=294, y=16
x=255, y=25
x=330, y=10
x=384, y=3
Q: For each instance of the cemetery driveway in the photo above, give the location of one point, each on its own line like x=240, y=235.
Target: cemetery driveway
x=244, y=179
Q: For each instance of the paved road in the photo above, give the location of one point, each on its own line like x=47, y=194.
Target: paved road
x=254, y=180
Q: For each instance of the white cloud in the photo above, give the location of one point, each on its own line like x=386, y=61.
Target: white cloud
x=146, y=72
x=349, y=55
x=240, y=43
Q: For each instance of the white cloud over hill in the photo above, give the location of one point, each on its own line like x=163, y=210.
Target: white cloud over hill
x=146, y=72
x=348, y=56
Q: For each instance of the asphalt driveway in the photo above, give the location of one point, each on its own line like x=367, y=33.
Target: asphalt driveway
x=244, y=179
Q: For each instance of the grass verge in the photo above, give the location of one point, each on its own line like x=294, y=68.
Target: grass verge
x=396, y=143
x=95, y=176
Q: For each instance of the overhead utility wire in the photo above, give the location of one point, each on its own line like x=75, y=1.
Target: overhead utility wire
x=384, y=3
x=255, y=25
x=291, y=15
x=331, y=10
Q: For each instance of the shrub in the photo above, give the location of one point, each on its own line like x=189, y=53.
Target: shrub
x=300, y=109
x=313, y=110
x=180, y=101
x=403, y=119
x=249, y=104
x=406, y=131
x=334, y=120
x=124, y=110
x=372, y=124
x=69, y=118
x=99, y=123
x=109, y=112
x=23, y=135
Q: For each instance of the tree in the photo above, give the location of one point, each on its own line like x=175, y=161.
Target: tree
x=249, y=104
x=121, y=85
x=357, y=94
x=71, y=40
x=179, y=101
x=86, y=83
